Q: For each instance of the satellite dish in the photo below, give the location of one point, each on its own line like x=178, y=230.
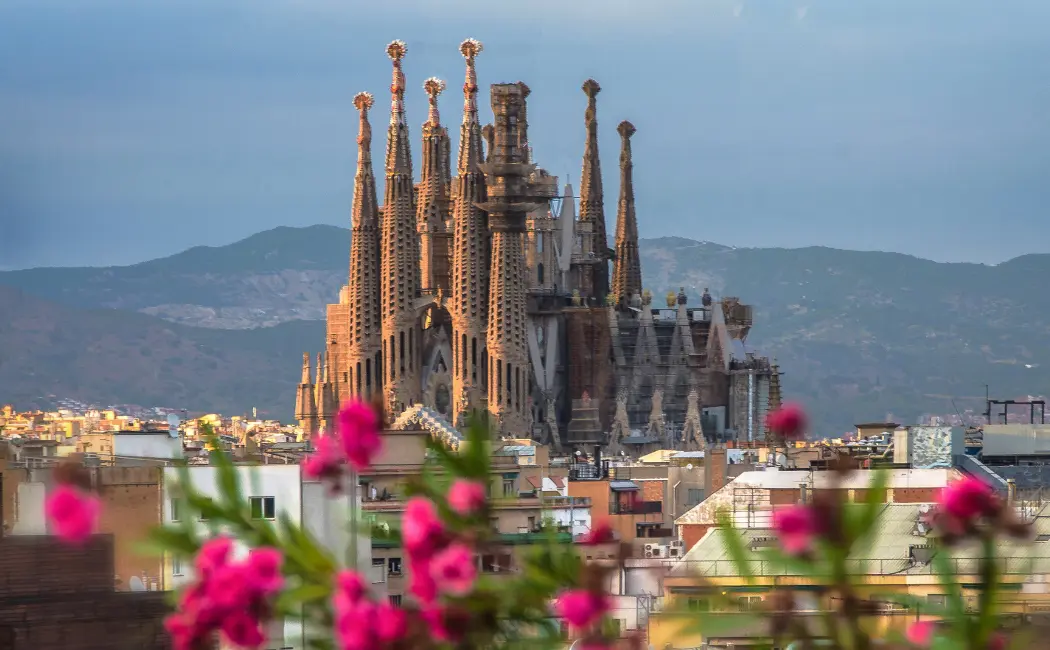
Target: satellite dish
x=689, y=466
x=136, y=584
x=173, y=425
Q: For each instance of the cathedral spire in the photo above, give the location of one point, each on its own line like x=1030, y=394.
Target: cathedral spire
x=399, y=258
x=305, y=404
x=432, y=205
x=592, y=210
x=398, y=155
x=470, y=259
x=627, y=269
x=470, y=154
x=360, y=363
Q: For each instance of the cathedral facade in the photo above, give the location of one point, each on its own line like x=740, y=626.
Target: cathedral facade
x=481, y=291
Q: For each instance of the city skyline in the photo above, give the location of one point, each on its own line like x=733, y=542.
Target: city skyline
x=143, y=131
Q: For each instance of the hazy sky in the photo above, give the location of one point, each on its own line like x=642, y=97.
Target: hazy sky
x=133, y=129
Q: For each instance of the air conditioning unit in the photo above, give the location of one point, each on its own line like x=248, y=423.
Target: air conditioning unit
x=674, y=551
x=649, y=548
x=676, y=543
x=659, y=551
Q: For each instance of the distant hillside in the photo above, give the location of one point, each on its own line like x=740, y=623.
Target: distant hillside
x=862, y=334
x=106, y=356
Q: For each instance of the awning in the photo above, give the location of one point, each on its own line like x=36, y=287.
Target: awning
x=623, y=486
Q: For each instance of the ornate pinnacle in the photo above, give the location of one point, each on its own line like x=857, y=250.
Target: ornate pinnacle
x=306, y=368
x=470, y=48
x=525, y=90
x=470, y=154
x=433, y=87
x=363, y=102
x=626, y=130
x=396, y=51
x=591, y=88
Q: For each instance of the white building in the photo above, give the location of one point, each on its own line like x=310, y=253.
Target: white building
x=275, y=491
x=569, y=512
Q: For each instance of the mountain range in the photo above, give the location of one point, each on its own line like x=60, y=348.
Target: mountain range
x=859, y=335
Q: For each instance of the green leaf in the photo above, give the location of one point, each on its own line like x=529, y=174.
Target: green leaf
x=860, y=520
x=735, y=547
x=304, y=548
x=170, y=539
x=305, y=594
x=942, y=566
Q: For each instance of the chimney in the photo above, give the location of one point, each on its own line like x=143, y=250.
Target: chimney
x=715, y=470
x=1011, y=491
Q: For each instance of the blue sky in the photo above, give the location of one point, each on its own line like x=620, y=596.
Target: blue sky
x=136, y=129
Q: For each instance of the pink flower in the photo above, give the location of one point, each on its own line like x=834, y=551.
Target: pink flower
x=391, y=623
x=444, y=624
x=183, y=632
x=230, y=597
x=353, y=625
x=264, y=570
x=421, y=531
x=454, y=570
x=967, y=499
x=921, y=633
x=420, y=582
x=242, y=630
x=326, y=462
x=788, y=422
x=358, y=428
x=72, y=513
x=600, y=533
x=213, y=555
x=350, y=588
x=797, y=527
x=581, y=608
x=466, y=497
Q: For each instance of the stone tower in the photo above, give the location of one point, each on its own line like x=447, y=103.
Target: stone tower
x=507, y=172
x=627, y=269
x=325, y=400
x=592, y=276
x=305, y=405
x=432, y=208
x=399, y=266
x=363, y=359
x=470, y=255
x=775, y=398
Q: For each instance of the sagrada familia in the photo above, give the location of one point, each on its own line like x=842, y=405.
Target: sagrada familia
x=484, y=292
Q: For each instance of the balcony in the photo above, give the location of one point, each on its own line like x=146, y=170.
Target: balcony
x=636, y=508
x=566, y=502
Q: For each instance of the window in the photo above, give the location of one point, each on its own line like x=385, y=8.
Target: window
x=937, y=600
x=696, y=495
x=176, y=565
x=395, y=600
x=263, y=508
x=494, y=523
x=532, y=523
x=176, y=509
x=508, y=487
x=394, y=566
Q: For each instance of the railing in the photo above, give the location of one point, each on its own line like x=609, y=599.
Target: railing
x=636, y=508
x=1008, y=566
x=567, y=502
